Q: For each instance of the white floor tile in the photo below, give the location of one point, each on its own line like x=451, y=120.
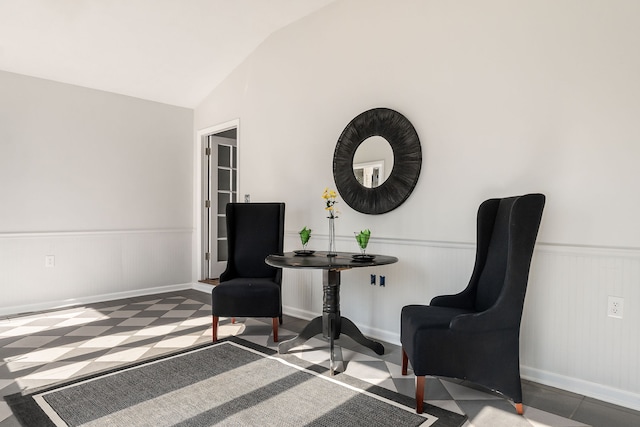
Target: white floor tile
x=104, y=342
x=197, y=321
x=5, y=411
x=78, y=321
x=368, y=372
x=45, y=355
x=56, y=371
x=123, y=355
x=177, y=342
x=22, y=330
x=156, y=331
x=19, y=321
x=89, y=331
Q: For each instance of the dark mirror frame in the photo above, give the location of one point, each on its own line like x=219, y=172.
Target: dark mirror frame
x=407, y=161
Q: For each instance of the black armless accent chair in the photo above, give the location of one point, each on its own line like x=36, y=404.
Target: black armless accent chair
x=249, y=287
x=475, y=334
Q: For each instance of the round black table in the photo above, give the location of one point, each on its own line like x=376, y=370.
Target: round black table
x=331, y=324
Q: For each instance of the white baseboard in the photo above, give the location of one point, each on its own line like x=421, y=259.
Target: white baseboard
x=52, y=305
x=202, y=287
x=619, y=397
x=299, y=314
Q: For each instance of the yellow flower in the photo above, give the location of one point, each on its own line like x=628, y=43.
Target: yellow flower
x=330, y=200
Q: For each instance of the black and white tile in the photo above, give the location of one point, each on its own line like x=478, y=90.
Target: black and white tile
x=44, y=348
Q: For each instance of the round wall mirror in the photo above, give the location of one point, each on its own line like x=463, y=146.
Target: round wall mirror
x=380, y=127
x=373, y=162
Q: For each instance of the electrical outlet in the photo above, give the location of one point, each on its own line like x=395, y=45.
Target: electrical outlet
x=247, y=198
x=49, y=261
x=615, y=307
x=373, y=279
x=383, y=281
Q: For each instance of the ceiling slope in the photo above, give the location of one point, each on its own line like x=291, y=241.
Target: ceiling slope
x=170, y=51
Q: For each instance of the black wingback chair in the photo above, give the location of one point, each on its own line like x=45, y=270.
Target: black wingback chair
x=475, y=334
x=249, y=287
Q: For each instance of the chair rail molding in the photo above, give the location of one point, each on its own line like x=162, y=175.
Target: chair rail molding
x=26, y=234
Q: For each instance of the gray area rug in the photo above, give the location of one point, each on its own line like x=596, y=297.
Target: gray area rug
x=233, y=383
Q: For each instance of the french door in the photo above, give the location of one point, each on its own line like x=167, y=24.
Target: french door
x=220, y=186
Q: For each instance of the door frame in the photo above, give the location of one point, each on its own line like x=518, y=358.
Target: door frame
x=199, y=210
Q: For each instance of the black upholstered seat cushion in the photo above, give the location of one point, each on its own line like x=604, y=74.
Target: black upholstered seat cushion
x=257, y=297
x=248, y=286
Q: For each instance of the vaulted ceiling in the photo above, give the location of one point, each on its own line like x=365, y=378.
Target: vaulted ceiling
x=170, y=51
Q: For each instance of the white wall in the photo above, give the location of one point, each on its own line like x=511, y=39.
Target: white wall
x=101, y=181
x=507, y=98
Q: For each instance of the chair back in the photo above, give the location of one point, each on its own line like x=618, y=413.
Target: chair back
x=254, y=230
x=507, y=230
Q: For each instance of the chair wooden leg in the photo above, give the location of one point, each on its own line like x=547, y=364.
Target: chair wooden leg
x=215, y=328
x=275, y=329
x=405, y=362
x=420, y=394
x=519, y=409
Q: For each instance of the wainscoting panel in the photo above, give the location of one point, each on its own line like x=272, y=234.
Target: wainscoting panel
x=567, y=339
x=89, y=265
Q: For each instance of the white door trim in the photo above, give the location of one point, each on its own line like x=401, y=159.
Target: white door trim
x=198, y=207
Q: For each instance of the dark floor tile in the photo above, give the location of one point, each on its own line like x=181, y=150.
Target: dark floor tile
x=601, y=414
x=407, y=386
x=202, y=297
x=433, y=389
x=8, y=340
x=185, y=306
x=550, y=399
x=12, y=388
x=10, y=422
x=294, y=325
x=6, y=353
x=166, y=321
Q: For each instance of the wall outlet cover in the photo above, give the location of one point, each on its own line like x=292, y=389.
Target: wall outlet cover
x=615, y=307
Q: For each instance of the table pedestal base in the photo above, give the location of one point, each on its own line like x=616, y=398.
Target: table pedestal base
x=331, y=324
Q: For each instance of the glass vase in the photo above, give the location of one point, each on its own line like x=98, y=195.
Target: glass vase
x=332, y=238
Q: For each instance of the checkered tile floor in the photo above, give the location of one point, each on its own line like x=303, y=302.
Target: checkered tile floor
x=45, y=348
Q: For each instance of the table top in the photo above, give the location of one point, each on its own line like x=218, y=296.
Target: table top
x=320, y=260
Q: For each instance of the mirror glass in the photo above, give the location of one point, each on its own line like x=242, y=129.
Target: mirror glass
x=373, y=161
